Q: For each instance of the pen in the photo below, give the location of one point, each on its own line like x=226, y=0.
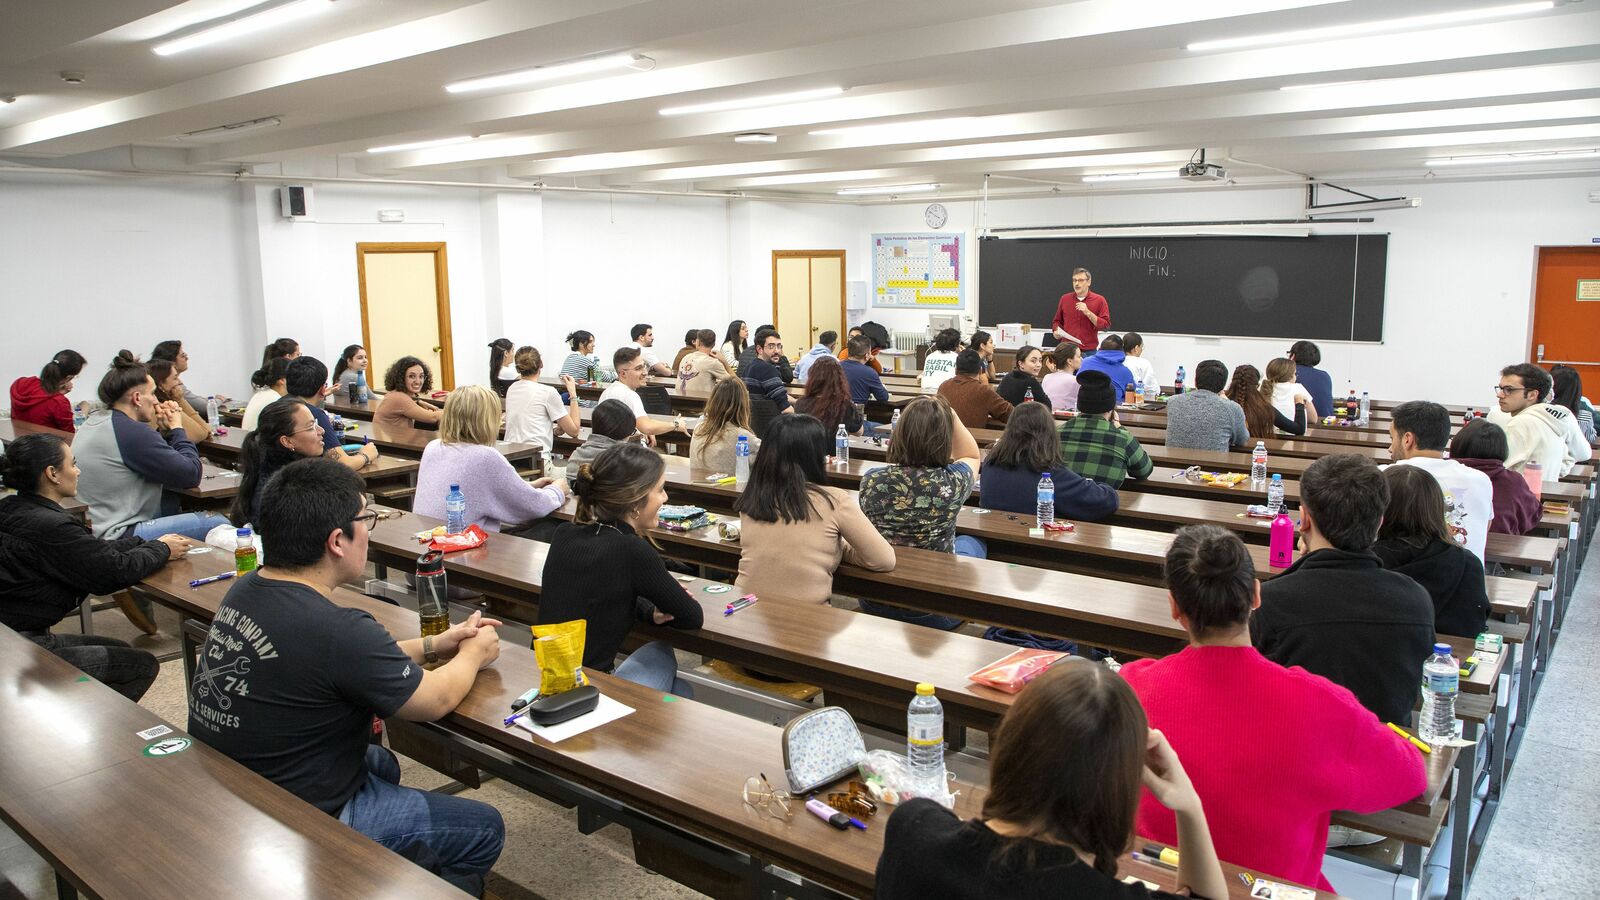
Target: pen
x=517, y=715
x=222, y=577
x=531, y=695
x=739, y=604
x=1420, y=745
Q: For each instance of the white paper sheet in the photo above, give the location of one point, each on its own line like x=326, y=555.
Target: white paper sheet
x=608, y=710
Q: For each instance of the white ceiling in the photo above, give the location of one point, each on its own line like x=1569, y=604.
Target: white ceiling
x=1037, y=90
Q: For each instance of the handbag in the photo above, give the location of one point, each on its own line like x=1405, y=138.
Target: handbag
x=821, y=746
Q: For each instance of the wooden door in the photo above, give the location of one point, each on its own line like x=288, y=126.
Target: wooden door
x=807, y=296
x=791, y=302
x=1566, y=326
x=827, y=297
x=405, y=306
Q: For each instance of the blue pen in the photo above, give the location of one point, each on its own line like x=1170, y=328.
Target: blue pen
x=200, y=581
x=858, y=823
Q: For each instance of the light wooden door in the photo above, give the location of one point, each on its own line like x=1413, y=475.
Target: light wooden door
x=1566, y=329
x=807, y=296
x=405, y=306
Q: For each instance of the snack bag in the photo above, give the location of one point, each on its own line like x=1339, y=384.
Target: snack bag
x=1012, y=672
x=559, y=651
x=470, y=539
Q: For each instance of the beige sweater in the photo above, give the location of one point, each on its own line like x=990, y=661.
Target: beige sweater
x=703, y=371
x=796, y=560
x=716, y=451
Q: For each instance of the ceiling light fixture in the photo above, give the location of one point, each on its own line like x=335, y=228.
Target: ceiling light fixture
x=910, y=132
x=261, y=21
x=1131, y=176
x=1536, y=156
x=222, y=132
x=887, y=189
x=422, y=145
x=594, y=65
x=1318, y=86
x=1354, y=29
x=755, y=137
x=752, y=102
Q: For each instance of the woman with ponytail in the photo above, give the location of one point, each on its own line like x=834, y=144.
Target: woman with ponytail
x=352, y=365
x=285, y=432
x=1268, y=800
x=502, y=371
x=1259, y=416
x=269, y=382
x=603, y=569
x=43, y=400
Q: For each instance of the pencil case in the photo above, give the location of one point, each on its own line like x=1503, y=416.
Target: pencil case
x=556, y=708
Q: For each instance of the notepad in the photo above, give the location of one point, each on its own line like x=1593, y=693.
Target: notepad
x=608, y=710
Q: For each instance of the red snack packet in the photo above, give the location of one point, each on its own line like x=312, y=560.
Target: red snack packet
x=1012, y=672
x=466, y=540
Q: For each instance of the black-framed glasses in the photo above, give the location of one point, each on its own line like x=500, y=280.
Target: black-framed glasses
x=1503, y=389
x=368, y=514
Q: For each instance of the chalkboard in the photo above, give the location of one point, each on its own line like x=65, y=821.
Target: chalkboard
x=1323, y=287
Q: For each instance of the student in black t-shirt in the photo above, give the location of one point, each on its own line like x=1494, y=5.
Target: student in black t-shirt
x=288, y=681
x=1066, y=768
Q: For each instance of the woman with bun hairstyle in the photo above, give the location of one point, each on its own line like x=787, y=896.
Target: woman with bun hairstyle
x=42, y=400
x=502, y=369
x=602, y=569
x=403, y=386
x=50, y=561
x=269, y=382
x=1268, y=801
x=581, y=364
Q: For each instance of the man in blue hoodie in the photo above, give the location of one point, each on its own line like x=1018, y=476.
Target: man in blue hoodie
x=1109, y=359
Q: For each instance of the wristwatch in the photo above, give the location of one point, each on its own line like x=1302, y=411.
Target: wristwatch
x=428, y=654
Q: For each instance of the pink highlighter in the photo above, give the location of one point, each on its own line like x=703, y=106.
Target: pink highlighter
x=1280, y=546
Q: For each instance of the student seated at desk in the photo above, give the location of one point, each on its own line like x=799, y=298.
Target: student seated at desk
x=975, y=403
x=703, y=368
x=582, y=364
x=1268, y=801
x=688, y=346
x=268, y=382
x=760, y=352
x=169, y=388
x=734, y=343
x=1415, y=540
x=1094, y=444
x=308, y=380
x=868, y=355
x=1285, y=393
x=1306, y=356
x=983, y=342
x=914, y=500
x=1568, y=394
x=286, y=349
x=610, y=424
x=1133, y=358
x=1109, y=360
x=464, y=454
x=940, y=362
x=1481, y=445
x=1536, y=430
x=1061, y=385
x=1025, y=451
x=42, y=400
x=643, y=336
x=714, y=444
x=1260, y=418
x=1065, y=772
x=866, y=382
x=794, y=528
x=173, y=351
x=760, y=373
x=827, y=397
x=1417, y=437
x=318, y=673
x=631, y=375
x=404, y=384
x=1022, y=382
x=602, y=569
x=50, y=561
x=1201, y=418
x=352, y=366
x=1336, y=612
x=501, y=370
x=534, y=412
x=287, y=432
x=128, y=468
x=827, y=343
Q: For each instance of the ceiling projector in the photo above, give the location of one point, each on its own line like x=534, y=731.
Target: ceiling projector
x=1200, y=171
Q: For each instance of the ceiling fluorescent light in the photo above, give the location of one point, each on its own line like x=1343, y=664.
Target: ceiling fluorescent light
x=1131, y=176
x=755, y=137
x=911, y=132
x=1539, y=156
x=261, y=21
x=421, y=145
x=752, y=102
x=1318, y=86
x=1354, y=29
x=223, y=132
x=887, y=189
x=591, y=66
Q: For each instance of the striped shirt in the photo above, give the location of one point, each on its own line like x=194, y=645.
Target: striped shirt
x=584, y=368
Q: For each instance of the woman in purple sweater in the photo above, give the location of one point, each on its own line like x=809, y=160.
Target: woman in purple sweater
x=464, y=454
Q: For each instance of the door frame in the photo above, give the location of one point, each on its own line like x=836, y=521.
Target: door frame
x=811, y=254
x=441, y=293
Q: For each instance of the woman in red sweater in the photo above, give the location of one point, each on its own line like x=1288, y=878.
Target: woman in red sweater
x=43, y=400
x=1272, y=751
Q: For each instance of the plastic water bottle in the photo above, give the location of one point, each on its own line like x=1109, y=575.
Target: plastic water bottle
x=925, y=742
x=361, y=388
x=455, y=510
x=894, y=419
x=1258, y=463
x=1366, y=406
x=741, y=460
x=1047, y=500
x=1152, y=391
x=1441, y=678
x=1274, y=492
x=1177, y=383
x=546, y=463
x=841, y=445
x=213, y=415
x=244, y=552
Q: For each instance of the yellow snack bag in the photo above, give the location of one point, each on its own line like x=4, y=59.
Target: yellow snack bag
x=559, y=651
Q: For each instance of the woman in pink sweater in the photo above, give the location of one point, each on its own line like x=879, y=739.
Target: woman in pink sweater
x=465, y=454
x=1272, y=752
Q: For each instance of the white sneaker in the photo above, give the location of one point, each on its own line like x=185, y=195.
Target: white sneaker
x=1340, y=836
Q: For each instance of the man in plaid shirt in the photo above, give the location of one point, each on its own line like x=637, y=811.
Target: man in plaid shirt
x=1094, y=444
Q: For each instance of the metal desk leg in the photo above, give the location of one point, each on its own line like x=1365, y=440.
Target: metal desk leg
x=86, y=615
x=1461, y=813
x=64, y=889
x=1525, y=651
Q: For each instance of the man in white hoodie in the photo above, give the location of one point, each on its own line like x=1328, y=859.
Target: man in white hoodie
x=1537, y=431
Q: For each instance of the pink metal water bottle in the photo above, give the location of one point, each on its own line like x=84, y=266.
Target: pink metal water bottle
x=1280, y=549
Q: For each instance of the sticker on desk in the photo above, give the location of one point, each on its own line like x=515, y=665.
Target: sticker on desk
x=1272, y=890
x=150, y=734
x=684, y=578
x=168, y=747
x=202, y=549
x=718, y=588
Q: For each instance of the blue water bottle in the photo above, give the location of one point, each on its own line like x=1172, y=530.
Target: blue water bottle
x=455, y=510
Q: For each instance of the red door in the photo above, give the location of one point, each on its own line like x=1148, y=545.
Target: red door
x=1566, y=329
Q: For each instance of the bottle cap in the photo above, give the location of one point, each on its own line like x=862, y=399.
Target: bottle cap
x=924, y=690
x=243, y=533
x=1277, y=476
x=454, y=487
x=1442, y=648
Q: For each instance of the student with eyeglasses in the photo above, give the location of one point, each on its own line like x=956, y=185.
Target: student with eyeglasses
x=1537, y=431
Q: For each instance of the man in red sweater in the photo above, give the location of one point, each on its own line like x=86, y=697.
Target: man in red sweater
x=1082, y=314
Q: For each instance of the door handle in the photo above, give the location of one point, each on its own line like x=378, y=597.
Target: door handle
x=438, y=349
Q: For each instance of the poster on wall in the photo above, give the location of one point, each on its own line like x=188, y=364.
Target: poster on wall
x=911, y=271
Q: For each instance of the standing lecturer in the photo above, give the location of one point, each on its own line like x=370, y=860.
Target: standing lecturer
x=1082, y=314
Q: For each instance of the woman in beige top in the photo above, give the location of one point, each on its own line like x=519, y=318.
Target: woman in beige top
x=403, y=383
x=703, y=368
x=794, y=529
x=727, y=417
x=170, y=387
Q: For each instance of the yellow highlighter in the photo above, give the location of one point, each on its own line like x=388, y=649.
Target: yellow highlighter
x=1419, y=744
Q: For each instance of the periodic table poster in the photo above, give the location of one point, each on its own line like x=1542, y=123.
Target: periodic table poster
x=918, y=270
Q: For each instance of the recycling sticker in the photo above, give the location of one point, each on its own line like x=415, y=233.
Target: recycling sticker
x=168, y=747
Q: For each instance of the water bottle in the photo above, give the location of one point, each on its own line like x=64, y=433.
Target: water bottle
x=455, y=510
x=1177, y=383
x=741, y=460
x=433, y=606
x=547, y=467
x=841, y=445
x=1258, y=463
x=1047, y=500
x=244, y=552
x=894, y=419
x=213, y=415
x=925, y=742
x=1352, y=407
x=361, y=388
x=1441, y=678
x=1152, y=391
x=1280, y=547
x=1366, y=406
x=1274, y=492
x=1533, y=474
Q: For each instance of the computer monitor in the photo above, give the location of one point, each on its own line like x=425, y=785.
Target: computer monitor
x=938, y=322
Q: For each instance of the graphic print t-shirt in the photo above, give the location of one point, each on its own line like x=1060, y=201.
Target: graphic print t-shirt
x=288, y=683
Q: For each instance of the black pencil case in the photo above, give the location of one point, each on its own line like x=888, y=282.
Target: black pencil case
x=563, y=706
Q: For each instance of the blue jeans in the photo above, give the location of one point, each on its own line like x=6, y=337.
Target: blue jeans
x=965, y=545
x=655, y=666
x=463, y=836
x=190, y=525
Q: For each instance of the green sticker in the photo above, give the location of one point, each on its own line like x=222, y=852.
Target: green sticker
x=168, y=747
x=669, y=698
x=84, y=678
x=718, y=588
